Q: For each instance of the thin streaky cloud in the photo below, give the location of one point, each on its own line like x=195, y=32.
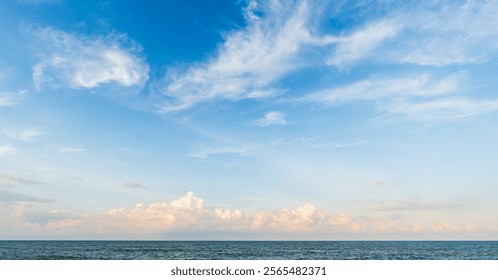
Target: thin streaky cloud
x=8, y=99
x=450, y=34
x=206, y=152
x=376, y=88
x=443, y=108
x=25, y=135
x=13, y=180
x=70, y=150
x=362, y=43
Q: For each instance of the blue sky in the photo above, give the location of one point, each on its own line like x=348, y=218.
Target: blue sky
x=248, y=119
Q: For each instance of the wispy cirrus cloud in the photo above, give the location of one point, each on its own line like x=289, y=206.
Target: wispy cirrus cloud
x=24, y=135
x=421, y=96
x=250, y=60
x=271, y=118
x=9, y=99
x=80, y=61
x=361, y=43
x=437, y=34
x=379, y=88
x=444, y=108
x=448, y=33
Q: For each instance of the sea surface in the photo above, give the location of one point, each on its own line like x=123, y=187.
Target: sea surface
x=248, y=250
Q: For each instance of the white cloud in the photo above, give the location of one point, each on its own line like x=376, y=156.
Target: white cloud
x=189, y=214
x=180, y=213
x=189, y=201
x=227, y=215
x=7, y=149
x=79, y=61
x=437, y=34
x=271, y=118
x=70, y=150
x=301, y=219
x=450, y=34
x=25, y=135
x=249, y=61
x=443, y=108
x=418, y=96
x=361, y=43
x=422, y=85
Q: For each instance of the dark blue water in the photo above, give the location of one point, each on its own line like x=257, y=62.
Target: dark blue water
x=249, y=250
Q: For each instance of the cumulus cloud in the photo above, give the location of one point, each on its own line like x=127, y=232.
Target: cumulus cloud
x=271, y=118
x=180, y=213
x=78, y=61
x=303, y=218
x=7, y=149
x=190, y=214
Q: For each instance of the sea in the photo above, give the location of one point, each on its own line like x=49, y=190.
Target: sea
x=248, y=250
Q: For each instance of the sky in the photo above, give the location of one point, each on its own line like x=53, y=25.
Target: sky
x=248, y=120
